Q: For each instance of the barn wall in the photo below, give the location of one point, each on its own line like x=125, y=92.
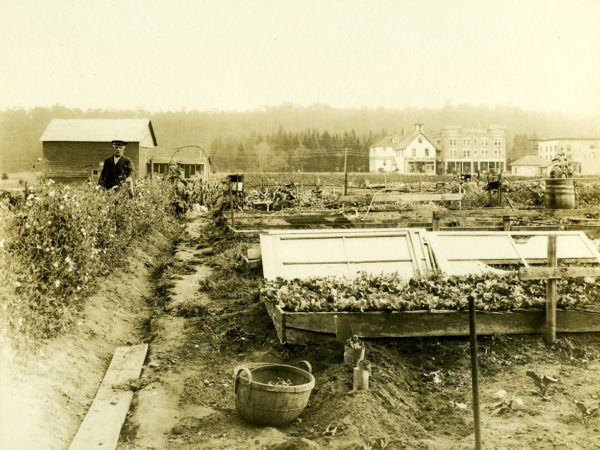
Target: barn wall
x=79, y=159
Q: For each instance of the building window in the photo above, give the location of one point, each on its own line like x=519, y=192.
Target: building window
x=475, y=141
x=475, y=153
x=420, y=140
x=453, y=141
x=438, y=142
x=485, y=141
x=426, y=152
x=467, y=152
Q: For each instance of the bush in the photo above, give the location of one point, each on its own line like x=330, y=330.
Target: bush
x=4, y=176
x=60, y=240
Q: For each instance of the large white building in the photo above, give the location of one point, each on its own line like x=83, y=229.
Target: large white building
x=413, y=154
x=583, y=154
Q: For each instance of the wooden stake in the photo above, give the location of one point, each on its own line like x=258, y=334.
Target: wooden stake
x=435, y=225
x=551, y=292
x=231, y=204
x=474, y=372
x=345, y=172
x=506, y=223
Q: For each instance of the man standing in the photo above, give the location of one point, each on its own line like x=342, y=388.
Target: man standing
x=117, y=168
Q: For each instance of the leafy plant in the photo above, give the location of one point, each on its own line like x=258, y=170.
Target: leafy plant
x=586, y=413
x=560, y=167
x=542, y=382
x=390, y=292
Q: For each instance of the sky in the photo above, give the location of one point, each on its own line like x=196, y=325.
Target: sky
x=237, y=55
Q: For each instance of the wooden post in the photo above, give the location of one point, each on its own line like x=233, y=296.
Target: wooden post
x=345, y=172
x=551, y=292
x=506, y=223
x=26, y=189
x=435, y=225
x=474, y=372
x=460, y=192
x=500, y=188
x=231, y=204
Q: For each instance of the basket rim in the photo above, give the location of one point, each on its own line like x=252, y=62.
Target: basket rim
x=279, y=388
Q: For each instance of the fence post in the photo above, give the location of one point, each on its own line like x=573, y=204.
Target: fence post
x=506, y=223
x=551, y=291
x=435, y=225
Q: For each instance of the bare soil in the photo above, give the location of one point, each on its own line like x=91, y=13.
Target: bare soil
x=198, y=308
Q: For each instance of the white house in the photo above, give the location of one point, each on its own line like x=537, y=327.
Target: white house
x=531, y=166
x=414, y=154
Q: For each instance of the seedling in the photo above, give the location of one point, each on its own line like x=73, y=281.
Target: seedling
x=354, y=342
x=587, y=413
x=542, y=382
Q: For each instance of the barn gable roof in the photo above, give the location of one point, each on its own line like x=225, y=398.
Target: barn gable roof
x=99, y=130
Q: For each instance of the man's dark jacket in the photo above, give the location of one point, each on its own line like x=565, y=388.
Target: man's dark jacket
x=114, y=174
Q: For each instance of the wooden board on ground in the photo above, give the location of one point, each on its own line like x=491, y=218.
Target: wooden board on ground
x=309, y=327
x=408, y=197
x=102, y=424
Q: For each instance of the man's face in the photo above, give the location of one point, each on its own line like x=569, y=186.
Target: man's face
x=118, y=150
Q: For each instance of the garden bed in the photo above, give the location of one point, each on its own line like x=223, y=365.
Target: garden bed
x=315, y=327
x=370, y=306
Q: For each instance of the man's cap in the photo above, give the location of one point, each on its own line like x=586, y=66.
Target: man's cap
x=119, y=142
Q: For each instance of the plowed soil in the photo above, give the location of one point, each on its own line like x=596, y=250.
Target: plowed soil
x=198, y=307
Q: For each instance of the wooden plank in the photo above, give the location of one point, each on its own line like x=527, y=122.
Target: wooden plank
x=433, y=323
x=102, y=424
x=403, y=197
x=542, y=273
x=276, y=314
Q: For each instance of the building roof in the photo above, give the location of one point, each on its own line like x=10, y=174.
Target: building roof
x=99, y=130
x=403, y=143
x=568, y=139
x=532, y=160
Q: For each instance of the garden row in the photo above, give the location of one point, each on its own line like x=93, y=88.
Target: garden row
x=492, y=292
x=58, y=240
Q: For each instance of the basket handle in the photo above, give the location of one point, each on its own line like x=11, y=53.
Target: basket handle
x=308, y=366
x=236, y=376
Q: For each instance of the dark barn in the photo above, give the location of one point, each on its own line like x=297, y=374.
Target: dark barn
x=76, y=148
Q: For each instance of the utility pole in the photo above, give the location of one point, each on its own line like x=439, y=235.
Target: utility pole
x=345, y=171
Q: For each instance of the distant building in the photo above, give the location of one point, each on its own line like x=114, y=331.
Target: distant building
x=583, y=154
x=77, y=148
x=413, y=154
x=192, y=160
x=465, y=150
x=531, y=166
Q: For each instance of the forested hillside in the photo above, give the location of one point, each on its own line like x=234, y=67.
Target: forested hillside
x=291, y=136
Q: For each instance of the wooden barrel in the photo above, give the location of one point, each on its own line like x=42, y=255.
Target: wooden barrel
x=274, y=394
x=560, y=193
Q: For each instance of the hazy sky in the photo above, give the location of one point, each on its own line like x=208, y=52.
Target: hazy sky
x=247, y=54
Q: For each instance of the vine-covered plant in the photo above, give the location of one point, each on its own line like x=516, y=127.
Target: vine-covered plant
x=561, y=167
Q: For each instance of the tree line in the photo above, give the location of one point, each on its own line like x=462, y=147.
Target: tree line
x=289, y=136
x=305, y=151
